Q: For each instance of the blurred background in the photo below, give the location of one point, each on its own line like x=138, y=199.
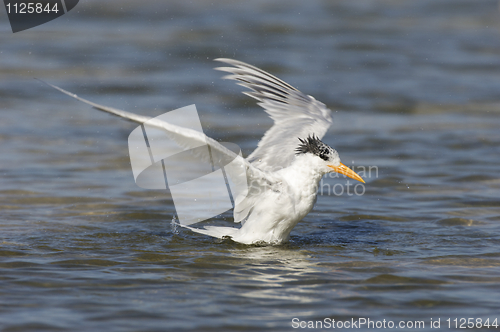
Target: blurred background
x=414, y=88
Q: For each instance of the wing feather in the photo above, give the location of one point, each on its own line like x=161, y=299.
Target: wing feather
x=258, y=180
x=294, y=113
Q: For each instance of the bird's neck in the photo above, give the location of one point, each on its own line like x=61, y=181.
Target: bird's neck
x=305, y=172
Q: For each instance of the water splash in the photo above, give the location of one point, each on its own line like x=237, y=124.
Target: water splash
x=173, y=224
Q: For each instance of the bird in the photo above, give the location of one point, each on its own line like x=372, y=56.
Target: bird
x=285, y=169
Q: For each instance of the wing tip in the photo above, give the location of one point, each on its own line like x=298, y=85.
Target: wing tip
x=229, y=61
x=58, y=88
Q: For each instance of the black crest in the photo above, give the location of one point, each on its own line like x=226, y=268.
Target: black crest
x=313, y=144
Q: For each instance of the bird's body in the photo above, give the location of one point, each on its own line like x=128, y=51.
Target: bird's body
x=276, y=211
x=284, y=171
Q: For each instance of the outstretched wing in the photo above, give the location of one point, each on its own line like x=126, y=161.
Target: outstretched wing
x=294, y=113
x=258, y=181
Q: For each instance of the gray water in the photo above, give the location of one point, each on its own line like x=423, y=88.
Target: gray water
x=415, y=91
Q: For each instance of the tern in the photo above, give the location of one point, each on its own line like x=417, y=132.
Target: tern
x=284, y=170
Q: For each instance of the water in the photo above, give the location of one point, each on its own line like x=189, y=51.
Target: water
x=414, y=89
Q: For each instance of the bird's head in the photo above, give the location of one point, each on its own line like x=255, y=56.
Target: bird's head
x=330, y=160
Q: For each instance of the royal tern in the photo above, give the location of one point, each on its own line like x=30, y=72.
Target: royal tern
x=284, y=171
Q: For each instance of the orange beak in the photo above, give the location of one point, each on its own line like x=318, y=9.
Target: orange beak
x=343, y=169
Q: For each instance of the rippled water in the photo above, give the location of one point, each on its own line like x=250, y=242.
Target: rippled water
x=415, y=90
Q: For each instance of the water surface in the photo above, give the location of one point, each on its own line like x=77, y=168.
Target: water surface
x=414, y=86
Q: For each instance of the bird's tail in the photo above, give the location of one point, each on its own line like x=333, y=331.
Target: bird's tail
x=215, y=231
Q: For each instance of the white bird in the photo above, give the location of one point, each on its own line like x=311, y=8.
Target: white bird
x=285, y=169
